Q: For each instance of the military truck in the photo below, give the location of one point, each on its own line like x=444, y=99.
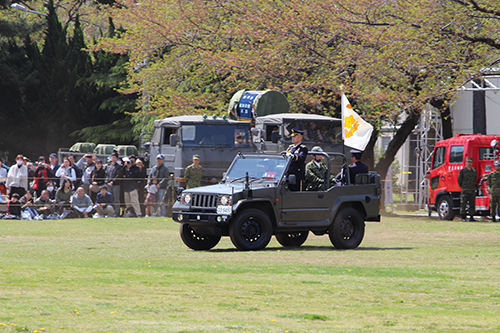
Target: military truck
x=272, y=132
x=217, y=140
x=253, y=202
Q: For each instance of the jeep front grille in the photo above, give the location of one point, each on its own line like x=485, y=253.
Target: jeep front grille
x=204, y=201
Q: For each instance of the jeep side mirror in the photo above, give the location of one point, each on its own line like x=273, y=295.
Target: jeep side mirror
x=173, y=140
x=275, y=136
x=292, y=179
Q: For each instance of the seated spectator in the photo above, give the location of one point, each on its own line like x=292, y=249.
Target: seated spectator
x=98, y=178
x=81, y=203
x=104, y=206
x=42, y=175
x=64, y=192
x=14, y=206
x=44, y=205
x=52, y=190
x=17, y=178
x=27, y=204
x=66, y=171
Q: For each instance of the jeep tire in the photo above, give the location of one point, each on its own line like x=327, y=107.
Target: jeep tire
x=294, y=239
x=347, y=230
x=251, y=230
x=196, y=241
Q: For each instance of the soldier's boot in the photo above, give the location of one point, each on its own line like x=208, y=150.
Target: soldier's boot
x=472, y=219
x=464, y=218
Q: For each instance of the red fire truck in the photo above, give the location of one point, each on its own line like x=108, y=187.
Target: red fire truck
x=448, y=159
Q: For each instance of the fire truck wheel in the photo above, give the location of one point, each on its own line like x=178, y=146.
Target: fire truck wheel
x=445, y=208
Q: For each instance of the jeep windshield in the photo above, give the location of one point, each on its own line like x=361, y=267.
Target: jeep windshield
x=258, y=168
x=215, y=135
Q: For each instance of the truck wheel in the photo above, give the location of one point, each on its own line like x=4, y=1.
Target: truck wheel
x=251, y=230
x=347, y=230
x=292, y=239
x=195, y=241
x=445, y=208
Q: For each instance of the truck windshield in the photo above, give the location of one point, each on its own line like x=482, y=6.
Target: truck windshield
x=214, y=135
x=257, y=167
x=316, y=131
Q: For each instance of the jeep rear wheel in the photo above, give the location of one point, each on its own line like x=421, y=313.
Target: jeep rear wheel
x=295, y=239
x=347, y=230
x=445, y=208
x=195, y=241
x=251, y=230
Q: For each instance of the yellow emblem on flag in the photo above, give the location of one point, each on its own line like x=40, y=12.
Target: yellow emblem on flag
x=350, y=126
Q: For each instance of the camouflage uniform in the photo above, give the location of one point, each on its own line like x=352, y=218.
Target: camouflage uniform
x=315, y=176
x=193, y=176
x=467, y=181
x=494, y=185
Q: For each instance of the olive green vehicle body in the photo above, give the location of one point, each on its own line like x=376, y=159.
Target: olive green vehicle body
x=289, y=213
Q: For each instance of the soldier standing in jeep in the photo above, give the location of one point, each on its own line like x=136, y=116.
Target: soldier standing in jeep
x=298, y=152
x=315, y=171
x=467, y=182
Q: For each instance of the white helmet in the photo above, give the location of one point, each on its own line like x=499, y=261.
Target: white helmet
x=494, y=143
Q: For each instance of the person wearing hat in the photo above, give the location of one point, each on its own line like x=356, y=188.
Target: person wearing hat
x=114, y=175
x=493, y=182
x=315, y=171
x=194, y=173
x=357, y=166
x=160, y=172
x=297, y=152
x=54, y=166
x=467, y=179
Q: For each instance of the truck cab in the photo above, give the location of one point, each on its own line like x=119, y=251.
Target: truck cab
x=216, y=140
x=272, y=132
x=448, y=159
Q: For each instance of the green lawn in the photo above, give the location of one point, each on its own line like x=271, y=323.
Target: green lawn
x=136, y=275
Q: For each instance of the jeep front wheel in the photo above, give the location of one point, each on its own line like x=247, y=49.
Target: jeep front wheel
x=251, y=230
x=294, y=239
x=195, y=241
x=347, y=230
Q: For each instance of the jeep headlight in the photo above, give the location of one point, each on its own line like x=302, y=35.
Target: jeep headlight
x=186, y=198
x=225, y=200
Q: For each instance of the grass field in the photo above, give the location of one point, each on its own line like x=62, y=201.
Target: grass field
x=136, y=275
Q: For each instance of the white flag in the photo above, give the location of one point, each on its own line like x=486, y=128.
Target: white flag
x=356, y=132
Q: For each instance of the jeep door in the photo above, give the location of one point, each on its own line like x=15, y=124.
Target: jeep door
x=299, y=207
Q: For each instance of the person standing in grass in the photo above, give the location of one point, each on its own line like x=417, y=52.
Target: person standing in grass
x=494, y=185
x=467, y=181
x=194, y=173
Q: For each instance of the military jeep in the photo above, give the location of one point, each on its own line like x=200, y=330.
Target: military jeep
x=253, y=202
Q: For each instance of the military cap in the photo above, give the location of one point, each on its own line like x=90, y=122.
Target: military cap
x=356, y=153
x=196, y=157
x=296, y=131
x=469, y=159
x=316, y=149
x=497, y=163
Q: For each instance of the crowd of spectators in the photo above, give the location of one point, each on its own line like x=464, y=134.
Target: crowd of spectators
x=88, y=187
